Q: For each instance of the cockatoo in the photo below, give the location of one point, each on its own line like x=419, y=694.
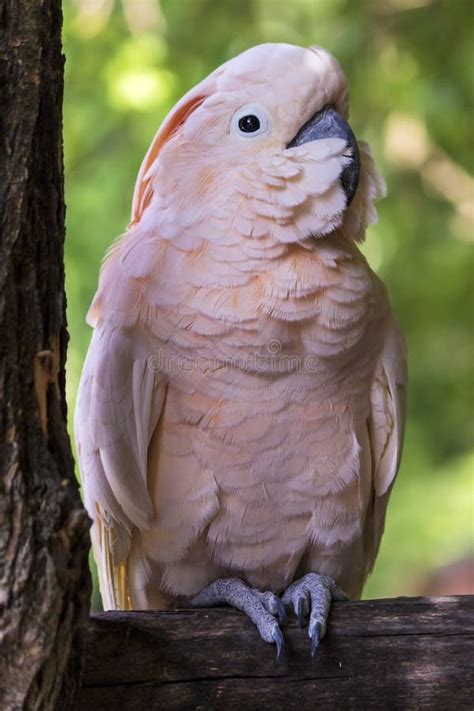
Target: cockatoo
x=240, y=414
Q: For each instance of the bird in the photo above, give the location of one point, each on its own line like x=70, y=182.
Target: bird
x=240, y=414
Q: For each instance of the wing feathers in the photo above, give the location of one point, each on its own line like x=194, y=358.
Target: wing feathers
x=387, y=422
x=386, y=428
x=118, y=407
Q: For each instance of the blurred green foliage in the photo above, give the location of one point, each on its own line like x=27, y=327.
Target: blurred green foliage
x=410, y=68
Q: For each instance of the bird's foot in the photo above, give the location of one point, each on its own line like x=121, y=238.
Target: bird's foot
x=265, y=609
x=312, y=595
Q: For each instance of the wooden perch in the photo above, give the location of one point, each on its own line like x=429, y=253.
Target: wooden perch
x=405, y=653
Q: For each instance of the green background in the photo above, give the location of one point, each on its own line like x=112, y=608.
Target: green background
x=410, y=65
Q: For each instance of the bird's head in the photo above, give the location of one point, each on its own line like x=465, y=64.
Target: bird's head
x=261, y=145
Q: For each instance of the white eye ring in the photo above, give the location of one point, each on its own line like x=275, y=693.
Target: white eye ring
x=250, y=121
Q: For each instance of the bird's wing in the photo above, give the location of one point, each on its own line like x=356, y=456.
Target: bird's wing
x=386, y=427
x=119, y=402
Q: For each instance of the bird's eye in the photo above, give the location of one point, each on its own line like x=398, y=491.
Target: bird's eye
x=250, y=121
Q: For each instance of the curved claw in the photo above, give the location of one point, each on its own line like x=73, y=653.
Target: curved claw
x=280, y=610
x=301, y=612
x=279, y=640
x=316, y=638
x=339, y=594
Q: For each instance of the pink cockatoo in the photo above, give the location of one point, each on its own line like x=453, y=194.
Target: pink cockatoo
x=241, y=410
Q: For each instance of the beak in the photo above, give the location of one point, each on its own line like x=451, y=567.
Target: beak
x=327, y=123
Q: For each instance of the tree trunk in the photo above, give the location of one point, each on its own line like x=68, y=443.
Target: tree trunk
x=44, y=578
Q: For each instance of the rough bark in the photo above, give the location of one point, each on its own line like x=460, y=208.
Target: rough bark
x=403, y=654
x=44, y=578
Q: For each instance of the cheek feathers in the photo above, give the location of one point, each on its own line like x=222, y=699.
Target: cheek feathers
x=293, y=195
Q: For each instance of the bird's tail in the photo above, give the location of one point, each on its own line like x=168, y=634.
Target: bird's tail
x=113, y=579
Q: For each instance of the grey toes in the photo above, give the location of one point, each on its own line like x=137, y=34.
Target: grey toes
x=261, y=608
x=312, y=595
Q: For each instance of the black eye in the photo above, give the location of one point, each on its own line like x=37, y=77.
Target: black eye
x=250, y=121
x=249, y=124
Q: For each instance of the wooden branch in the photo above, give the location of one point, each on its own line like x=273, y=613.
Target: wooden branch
x=405, y=653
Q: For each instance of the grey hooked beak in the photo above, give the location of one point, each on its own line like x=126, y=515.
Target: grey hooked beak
x=327, y=123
